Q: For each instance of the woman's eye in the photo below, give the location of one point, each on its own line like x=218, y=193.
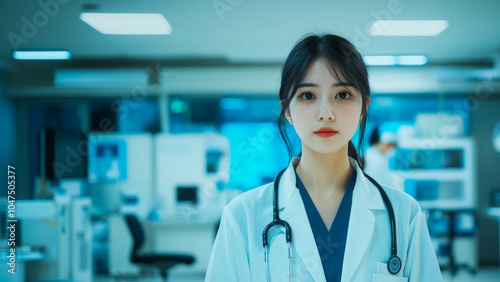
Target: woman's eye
x=307, y=96
x=343, y=95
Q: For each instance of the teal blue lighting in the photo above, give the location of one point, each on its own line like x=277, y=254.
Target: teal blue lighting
x=233, y=104
x=41, y=55
x=412, y=60
x=380, y=60
x=417, y=60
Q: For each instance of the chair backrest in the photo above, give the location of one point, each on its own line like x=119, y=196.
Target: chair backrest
x=138, y=235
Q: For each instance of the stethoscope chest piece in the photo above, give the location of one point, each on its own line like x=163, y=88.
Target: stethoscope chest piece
x=394, y=265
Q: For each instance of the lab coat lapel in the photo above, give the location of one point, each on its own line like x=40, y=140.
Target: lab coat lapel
x=293, y=211
x=361, y=223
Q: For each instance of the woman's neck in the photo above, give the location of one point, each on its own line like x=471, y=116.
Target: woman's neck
x=324, y=174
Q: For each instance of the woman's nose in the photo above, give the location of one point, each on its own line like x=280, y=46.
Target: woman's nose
x=326, y=113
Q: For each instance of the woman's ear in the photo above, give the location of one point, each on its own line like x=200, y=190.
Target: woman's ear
x=366, y=109
x=288, y=117
x=287, y=114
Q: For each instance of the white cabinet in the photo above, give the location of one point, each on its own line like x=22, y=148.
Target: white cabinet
x=441, y=175
x=438, y=173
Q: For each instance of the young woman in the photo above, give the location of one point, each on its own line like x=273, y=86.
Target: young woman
x=332, y=222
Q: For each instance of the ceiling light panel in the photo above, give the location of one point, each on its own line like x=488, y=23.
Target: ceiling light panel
x=127, y=23
x=408, y=28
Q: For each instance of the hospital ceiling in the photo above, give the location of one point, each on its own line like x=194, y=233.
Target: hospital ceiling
x=247, y=32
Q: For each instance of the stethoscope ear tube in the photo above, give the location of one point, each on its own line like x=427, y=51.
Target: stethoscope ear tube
x=276, y=218
x=277, y=222
x=394, y=263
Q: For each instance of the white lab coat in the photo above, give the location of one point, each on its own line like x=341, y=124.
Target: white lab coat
x=238, y=253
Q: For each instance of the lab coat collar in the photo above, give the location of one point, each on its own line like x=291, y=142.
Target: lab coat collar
x=361, y=224
x=364, y=189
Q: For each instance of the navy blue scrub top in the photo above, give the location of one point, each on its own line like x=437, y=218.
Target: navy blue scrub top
x=331, y=244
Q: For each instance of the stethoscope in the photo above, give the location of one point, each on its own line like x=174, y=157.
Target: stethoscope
x=394, y=263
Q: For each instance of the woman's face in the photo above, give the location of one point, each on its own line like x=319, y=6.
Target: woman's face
x=323, y=101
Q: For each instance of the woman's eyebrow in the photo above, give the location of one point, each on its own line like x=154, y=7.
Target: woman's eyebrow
x=333, y=85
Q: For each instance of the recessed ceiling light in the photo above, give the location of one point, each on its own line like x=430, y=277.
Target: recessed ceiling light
x=408, y=28
x=127, y=23
x=412, y=60
x=41, y=55
x=395, y=60
x=379, y=60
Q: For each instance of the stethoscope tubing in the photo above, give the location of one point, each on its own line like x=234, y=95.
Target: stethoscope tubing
x=394, y=263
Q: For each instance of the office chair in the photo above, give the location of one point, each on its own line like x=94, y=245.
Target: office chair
x=161, y=260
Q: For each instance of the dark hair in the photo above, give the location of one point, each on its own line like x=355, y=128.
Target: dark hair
x=375, y=136
x=341, y=56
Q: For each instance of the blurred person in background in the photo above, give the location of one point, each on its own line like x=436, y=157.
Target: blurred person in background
x=383, y=147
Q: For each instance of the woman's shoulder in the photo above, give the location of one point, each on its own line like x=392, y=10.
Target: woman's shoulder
x=402, y=203
x=251, y=199
x=398, y=195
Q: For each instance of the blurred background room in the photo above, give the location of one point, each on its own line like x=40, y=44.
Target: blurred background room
x=126, y=126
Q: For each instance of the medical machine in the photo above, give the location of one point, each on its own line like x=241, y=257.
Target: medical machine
x=109, y=161
x=118, y=165
x=120, y=180
x=62, y=230
x=191, y=171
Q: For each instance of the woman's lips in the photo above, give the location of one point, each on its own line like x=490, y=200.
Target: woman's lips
x=325, y=134
x=325, y=131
